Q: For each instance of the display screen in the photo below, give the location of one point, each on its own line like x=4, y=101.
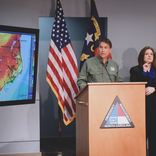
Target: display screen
x=18, y=65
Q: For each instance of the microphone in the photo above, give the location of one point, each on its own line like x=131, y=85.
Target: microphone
x=107, y=71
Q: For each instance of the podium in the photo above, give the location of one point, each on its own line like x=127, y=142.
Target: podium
x=94, y=104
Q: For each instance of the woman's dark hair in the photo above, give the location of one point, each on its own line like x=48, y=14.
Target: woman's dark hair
x=106, y=40
x=141, y=56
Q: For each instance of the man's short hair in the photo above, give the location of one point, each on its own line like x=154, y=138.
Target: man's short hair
x=106, y=40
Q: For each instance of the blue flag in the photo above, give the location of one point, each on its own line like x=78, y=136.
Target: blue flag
x=94, y=34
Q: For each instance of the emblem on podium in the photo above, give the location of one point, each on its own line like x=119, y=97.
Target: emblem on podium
x=117, y=116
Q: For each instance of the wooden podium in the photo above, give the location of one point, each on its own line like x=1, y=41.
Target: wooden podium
x=93, y=104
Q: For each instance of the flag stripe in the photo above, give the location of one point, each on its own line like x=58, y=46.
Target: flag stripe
x=55, y=68
x=68, y=108
x=68, y=95
x=55, y=87
x=68, y=51
x=56, y=54
x=70, y=73
x=55, y=80
x=68, y=87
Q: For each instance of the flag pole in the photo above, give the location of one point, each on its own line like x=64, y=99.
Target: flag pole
x=59, y=112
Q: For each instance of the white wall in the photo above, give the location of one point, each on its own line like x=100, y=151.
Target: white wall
x=131, y=26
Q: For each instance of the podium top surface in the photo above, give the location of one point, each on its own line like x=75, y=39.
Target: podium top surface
x=117, y=83
x=111, y=83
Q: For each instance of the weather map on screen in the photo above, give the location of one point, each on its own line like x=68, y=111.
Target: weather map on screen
x=18, y=66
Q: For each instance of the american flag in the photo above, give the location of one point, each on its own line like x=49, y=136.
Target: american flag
x=62, y=70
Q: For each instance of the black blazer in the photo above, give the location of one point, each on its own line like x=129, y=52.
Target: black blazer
x=137, y=76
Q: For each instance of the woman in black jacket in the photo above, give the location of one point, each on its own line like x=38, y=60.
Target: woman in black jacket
x=146, y=72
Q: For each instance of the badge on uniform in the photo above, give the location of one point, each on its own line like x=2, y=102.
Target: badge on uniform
x=112, y=68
